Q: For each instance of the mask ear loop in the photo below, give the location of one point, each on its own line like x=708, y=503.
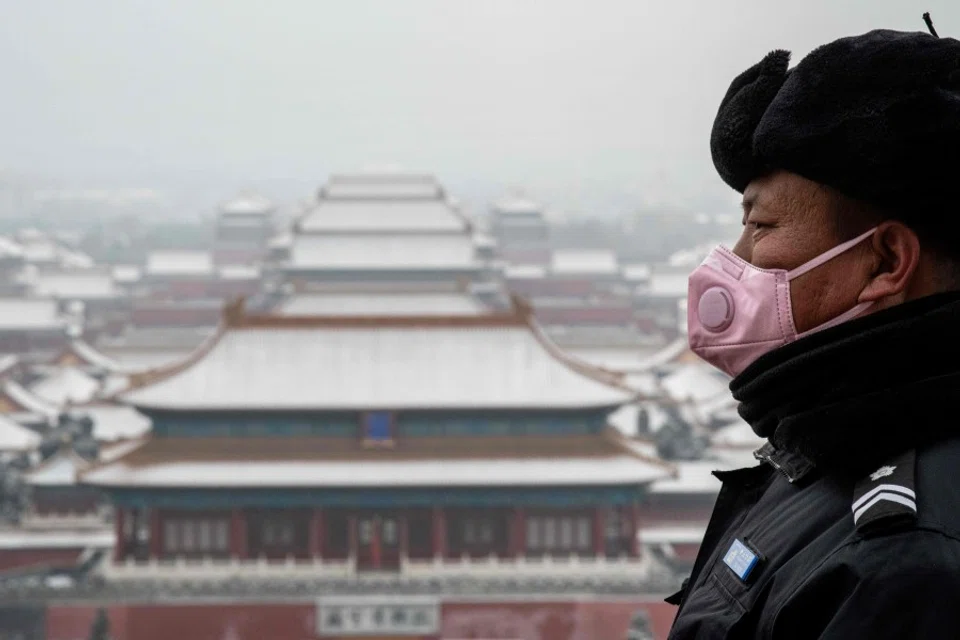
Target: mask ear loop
x=829, y=255
x=819, y=260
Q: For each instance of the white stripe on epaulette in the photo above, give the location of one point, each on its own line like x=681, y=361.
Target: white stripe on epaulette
x=896, y=488
x=889, y=497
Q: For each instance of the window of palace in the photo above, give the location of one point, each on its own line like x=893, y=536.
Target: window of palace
x=278, y=533
x=196, y=536
x=478, y=533
x=617, y=532
x=420, y=532
x=559, y=534
x=378, y=428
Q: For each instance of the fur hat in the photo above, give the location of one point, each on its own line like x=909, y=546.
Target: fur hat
x=875, y=116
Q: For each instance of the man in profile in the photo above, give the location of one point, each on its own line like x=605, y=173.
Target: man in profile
x=838, y=314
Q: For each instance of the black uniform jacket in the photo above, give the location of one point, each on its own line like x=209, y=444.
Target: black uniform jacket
x=849, y=527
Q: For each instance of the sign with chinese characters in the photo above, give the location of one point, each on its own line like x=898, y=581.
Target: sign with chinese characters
x=367, y=615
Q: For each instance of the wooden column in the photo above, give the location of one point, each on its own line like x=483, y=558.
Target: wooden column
x=120, y=546
x=352, y=546
x=634, y=529
x=599, y=520
x=156, y=534
x=439, y=533
x=403, y=535
x=238, y=535
x=518, y=533
x=377, y=527
x=316, y=534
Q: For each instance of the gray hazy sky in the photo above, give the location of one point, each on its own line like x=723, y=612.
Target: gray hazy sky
x=567, y=98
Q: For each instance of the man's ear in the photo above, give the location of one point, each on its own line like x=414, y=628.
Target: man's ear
x=895, y=256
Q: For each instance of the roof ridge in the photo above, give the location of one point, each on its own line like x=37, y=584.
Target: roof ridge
x=614, y=436
x=600, y=374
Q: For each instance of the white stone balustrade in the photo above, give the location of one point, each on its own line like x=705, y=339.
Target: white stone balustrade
x=209, y=569
x=226, y=569
x=543, y=567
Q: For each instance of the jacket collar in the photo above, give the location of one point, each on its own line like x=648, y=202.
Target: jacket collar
x=849, y=397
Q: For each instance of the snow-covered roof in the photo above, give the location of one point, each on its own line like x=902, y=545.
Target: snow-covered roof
x=623, y=469
x=115, y=422
x=58, y=470
x=736, y=435
x=664, y=356
x=39, y=250
x=668, y=285
x=66, y=384
x=696, y=477
x=9, y=248
x=92, y=356
x=622, y=358
x=524, y=271
x=8, y=362
x=637, y=272
x=239, y=272
x=395, y=363
x=247, y=203
x=358, y=252
x=693, y=477
x=28, y=538
x=673, y=534
x=179, y=263
x=697, y=382
x=382, y=190
x=29, y=401
x=23, y=314
x=87, y=284
x=178, y=338
x=282, y=240
x=135, y=360
x=127, y=273
x=16, y=437
x=382, y=216
x=584, y=261
x=381, y=304
x=517, y=205
x=73, y=259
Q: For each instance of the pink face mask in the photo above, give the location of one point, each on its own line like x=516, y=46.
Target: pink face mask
x=737, y=312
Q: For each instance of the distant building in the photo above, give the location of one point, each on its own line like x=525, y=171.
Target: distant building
x=386, y=228
x=521, y=231
x=32, y=327
x=244, y=227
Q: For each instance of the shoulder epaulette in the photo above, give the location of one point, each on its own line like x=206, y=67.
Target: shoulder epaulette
x=887, y=495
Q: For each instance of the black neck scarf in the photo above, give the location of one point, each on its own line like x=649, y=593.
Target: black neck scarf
x=850, y=397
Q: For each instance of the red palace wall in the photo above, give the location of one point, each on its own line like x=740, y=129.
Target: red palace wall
x=516, y=620
x=20, y=558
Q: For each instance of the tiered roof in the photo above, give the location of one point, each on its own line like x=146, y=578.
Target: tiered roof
x=471, y=362
x=383, y=222
x=343, y=462
x=497, y=361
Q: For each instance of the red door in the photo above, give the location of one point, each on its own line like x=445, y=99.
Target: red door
x=378, y=541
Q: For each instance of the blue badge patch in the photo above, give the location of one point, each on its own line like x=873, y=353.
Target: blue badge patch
x=741, y=560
